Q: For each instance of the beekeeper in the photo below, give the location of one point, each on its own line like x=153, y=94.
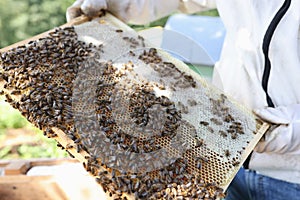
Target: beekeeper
x=259, y=67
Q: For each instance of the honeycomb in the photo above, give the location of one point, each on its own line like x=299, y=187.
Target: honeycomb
x=140, y=121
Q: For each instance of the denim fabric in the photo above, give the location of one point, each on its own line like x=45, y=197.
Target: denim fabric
x=238, y=189
x=249, y=185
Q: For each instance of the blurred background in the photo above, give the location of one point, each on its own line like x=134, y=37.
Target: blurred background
x=19, y=20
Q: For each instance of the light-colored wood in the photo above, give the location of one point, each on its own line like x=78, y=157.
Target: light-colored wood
x=17, y=167
x=30, y=188
x=15, y=185
x=38, y=161
x=45, y=181
x=20, y=167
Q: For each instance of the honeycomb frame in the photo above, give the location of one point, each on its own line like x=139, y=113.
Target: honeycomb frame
x=195, y=151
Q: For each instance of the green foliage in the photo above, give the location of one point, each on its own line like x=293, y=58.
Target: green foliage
x=45, y=148
x=160, y=22
x=212, y=12
x=21, y=19
x=10, y=118
x=42, y=149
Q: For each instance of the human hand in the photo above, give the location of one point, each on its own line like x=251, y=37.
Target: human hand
x=90, y=8
x=123, y=10
x=285, y=137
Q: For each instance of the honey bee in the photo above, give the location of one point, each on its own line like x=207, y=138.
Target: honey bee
x=204, y=123
x=227, y=153
x=223, y=133
x=198, y=142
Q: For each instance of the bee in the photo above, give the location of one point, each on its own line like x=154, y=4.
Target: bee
x=240, y=131
x=233, y=136
x=230, y=130
x=227, y=153
x=202, y=158
x=8, y=98
x=161, y=87
x=71, y=155
x=237, y=123
x=210, y=129
x=199, y=164
x=223, y=98
x=192, y=102
x=216, y=121
x=235, y=163
x=15, y=92
x=140, y=38
x=198, y=142
x=228, y=118
x=223, y=133
x=204, y=123
x=131, y=53
x=69, y=146
x=59, y=145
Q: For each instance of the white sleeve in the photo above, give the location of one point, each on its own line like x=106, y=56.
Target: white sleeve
x=141, y=11
x=145, y=11
x=137, y=11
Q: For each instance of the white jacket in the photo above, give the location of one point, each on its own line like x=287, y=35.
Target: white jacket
x=240, y=69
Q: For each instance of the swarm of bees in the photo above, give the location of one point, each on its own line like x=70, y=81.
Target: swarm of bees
x=137, y=143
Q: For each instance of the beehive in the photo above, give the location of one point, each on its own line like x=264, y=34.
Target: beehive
x=143, y=123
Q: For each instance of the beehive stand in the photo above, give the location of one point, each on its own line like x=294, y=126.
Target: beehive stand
x=140, y=121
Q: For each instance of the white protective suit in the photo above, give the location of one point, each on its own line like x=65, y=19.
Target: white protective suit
x=240, y=69
x=239, y=73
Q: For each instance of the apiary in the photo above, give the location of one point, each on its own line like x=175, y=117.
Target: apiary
x=140, y=121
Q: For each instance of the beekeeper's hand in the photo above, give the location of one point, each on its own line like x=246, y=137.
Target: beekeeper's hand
x=90, y=8
x=285, y=137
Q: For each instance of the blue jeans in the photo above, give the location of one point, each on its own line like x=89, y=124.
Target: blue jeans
x=249, y=185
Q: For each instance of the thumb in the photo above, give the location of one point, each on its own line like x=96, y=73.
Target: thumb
x=93, y=7
x=74, y=10
x=273, y=115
